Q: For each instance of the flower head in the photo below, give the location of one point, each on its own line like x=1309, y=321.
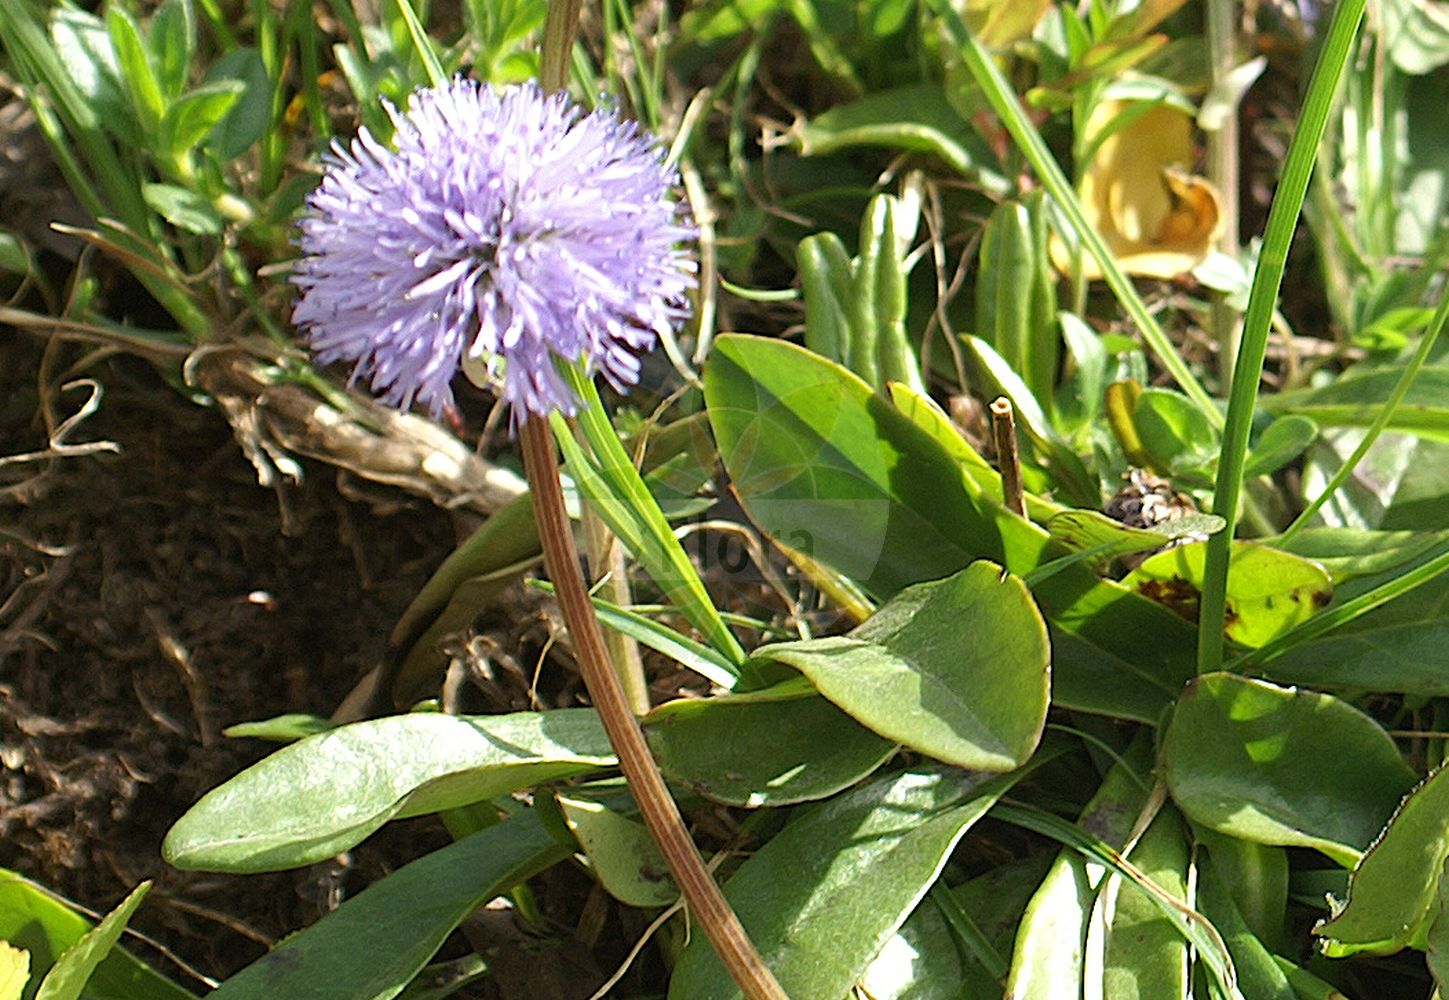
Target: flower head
x=505, y=228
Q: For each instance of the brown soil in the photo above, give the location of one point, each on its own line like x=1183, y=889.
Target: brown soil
x=149, y=597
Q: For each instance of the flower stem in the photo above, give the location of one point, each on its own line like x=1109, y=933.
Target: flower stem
x=706, y=903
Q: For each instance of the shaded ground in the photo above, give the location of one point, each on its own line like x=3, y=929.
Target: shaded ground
x=148, y=599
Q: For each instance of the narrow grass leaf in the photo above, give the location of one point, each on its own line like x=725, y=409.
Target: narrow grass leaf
x=1303, y=151
x=612, y=485
x=1051, y=940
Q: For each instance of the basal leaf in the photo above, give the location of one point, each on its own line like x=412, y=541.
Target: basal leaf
x=1269, y=591
x=918, y=118
x=822, y=897
x=1355, y=398
x=372, y=946
x=957, y=668
x=1146, y=956
x=326, y=793
x=1393, y=891
x=1048, y=954
x=623, y=855
x=1280, y=766
x=881, y=495
x=745, y=752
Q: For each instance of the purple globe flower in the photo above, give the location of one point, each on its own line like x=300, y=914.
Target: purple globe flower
x=507, y=227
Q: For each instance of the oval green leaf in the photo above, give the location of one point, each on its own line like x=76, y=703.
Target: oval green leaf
x=623, y=855
x=1269, y=591
x=1393, y=892
x=747, y=752
x=958, y=669
x=1176, y=432
x=891, y=497
x=328, y=792
x=1278, y=766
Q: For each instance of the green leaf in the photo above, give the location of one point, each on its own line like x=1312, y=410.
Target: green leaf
x=621, y=852
x=1179, y=435
x=84, y=48
x=136, y=70
x=919, y=962
x=1093, y=531
x=1146, y=956
x=830, y=469
x=1348, y=553
x=1015, y=304
x=880, y=295
x=1256, y=878
x=192, y=117
x=13, y=255
x=607, y=479
x=1393, y=892
x=251, y=117
x=919, y=118
x=14, y=972
x=1269, y=592
x=171, y=39
x=282, y=728
x=1081, y=396
x=1279, y=766
x=998, y=378
x=68, y=977
x=183, y=208
x=993, y=902
x=372, y=946
x=326, y=793
x=826, y=276
x=1051, y=941
x=958, y=669
x=1285, y=439
x=33, y=918
x=1258, y=973
x=822, y=897
x=494, y=555
x=1397, y=647
x=1355, y=398
x=662, y=639
x=892, y=497
x=745, y=752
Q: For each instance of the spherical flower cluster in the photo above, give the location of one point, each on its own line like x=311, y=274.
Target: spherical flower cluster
x=505, y=228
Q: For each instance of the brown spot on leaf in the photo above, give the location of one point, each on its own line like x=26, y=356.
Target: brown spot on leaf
x=1175, y=593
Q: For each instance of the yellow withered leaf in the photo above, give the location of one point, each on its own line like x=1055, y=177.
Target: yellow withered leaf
x=1157, y=219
